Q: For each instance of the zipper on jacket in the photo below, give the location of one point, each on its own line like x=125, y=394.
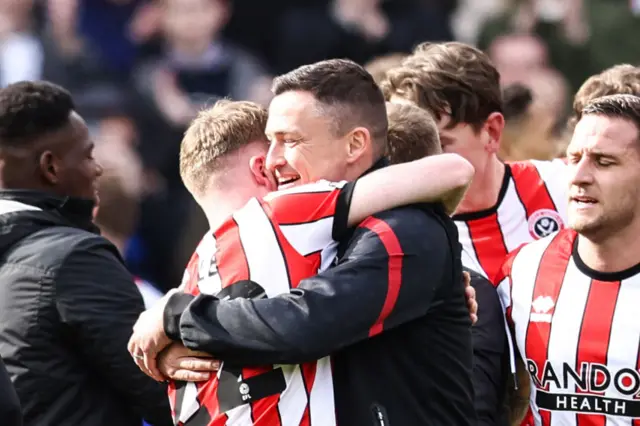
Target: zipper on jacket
x=380, y=417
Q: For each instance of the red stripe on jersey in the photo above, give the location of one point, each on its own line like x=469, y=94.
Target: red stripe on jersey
x=173, y=399
x=531, y=189
x=303, y=207
x=230, y=256
x=394, y=250
x=309, y=377
x=595, y=330
x=488, y=243
x=548, y=283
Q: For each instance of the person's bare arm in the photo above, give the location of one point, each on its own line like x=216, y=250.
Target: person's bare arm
x=443, y=178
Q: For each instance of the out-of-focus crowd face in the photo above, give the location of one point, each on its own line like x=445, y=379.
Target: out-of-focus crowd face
x=193, y=21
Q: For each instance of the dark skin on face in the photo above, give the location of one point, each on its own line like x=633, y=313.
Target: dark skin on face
x=60, y=162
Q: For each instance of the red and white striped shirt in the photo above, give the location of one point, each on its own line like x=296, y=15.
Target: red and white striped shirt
x=531, y=205
x=578, y=334
x=275, y=243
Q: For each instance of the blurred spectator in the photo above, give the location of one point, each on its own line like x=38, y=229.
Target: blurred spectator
x=21, y=54
x=197, y=65
x=379, y=65
x=515, y=55
x=358, y=29
x=535, y=117
x=120, y=189
x=582, y=37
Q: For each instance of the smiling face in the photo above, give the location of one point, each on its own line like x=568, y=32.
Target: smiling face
x=604, y=175
x=303, y=147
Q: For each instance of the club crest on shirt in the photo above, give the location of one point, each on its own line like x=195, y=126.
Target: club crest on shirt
x=544, y=222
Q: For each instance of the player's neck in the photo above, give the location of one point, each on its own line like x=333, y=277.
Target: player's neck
x=607, y=255
x=218, y=207
x=484, y=189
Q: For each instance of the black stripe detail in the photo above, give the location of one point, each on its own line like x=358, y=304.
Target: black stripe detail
x=602, y=276
x=341, y=216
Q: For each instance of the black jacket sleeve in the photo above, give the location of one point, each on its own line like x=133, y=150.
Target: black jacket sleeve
x=10, y=411
x=99, y=301
x=490, y=354
x=378, y=283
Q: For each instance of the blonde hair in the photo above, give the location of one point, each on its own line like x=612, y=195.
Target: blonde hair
x=214, y=134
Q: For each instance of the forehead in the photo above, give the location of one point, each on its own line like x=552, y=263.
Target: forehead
x=290, y=112
x=606, y=134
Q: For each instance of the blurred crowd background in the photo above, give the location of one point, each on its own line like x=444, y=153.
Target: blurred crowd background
x=140, y=70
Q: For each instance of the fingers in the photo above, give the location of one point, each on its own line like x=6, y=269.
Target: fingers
x=472, y=303
x=198, y=364
x=467, y=279
x=151, y=366
x=198, y=354
x=189, y=376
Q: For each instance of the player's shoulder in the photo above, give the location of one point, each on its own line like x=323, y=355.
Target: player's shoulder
x=545, y=170
x=318, y=187
x=558, y=245
x=415, y=224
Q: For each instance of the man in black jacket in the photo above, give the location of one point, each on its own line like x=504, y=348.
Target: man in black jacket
x=391, y=312
x=67, y=302
x=490, y=355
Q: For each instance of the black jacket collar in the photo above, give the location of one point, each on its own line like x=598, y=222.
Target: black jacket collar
x=383, y=162
x=77, y=211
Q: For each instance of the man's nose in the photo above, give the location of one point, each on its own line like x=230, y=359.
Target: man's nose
x=275, y=157
x=581, y=173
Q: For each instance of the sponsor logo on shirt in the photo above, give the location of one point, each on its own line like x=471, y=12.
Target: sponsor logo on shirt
x=544, y=222
x=592, y=380
x=542, y=309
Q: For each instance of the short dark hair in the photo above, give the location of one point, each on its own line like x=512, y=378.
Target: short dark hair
x=412, y=135
x=448, y=78
x=31, y=109
x=617, y=80
x=622, y=106
x=351, y=94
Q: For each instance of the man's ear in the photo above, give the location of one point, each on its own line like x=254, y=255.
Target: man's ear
x=260, y=173
x=49, y=168
x=493, y=126
x=358, y=144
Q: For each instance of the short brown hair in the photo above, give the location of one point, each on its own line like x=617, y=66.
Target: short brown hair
x=620, y=79
x=622, y=106
x=351, y=96
x=379, y=65
x=448, y=78
x=412, y=135
x=215, y=133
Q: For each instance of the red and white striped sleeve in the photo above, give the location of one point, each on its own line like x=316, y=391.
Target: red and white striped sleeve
x=313, y=216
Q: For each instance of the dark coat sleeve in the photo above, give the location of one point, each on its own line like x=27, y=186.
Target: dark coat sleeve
x=377, y=284
x=10, y=411
x=98, y=299
x=491, y=356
